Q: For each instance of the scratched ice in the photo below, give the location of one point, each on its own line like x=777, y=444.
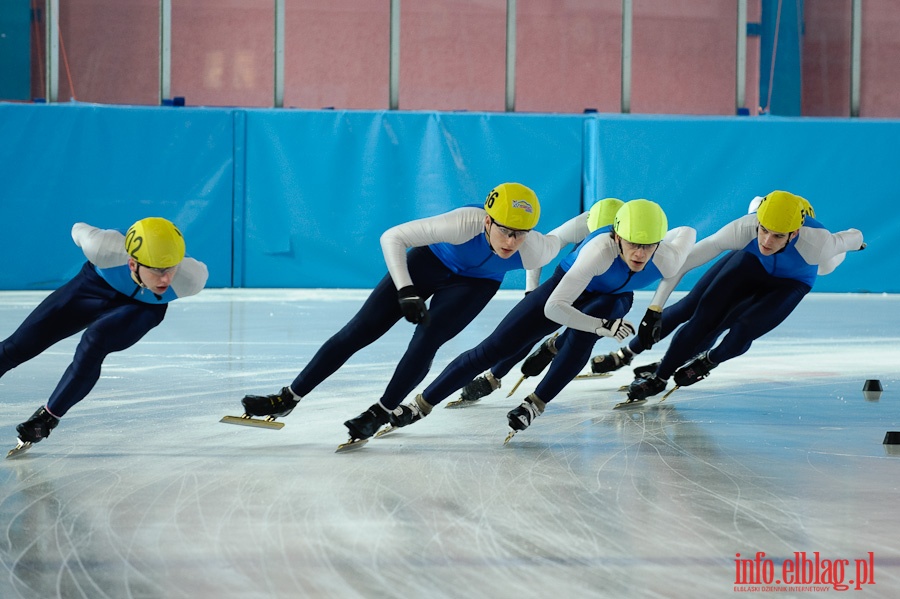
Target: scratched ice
x=141, y=492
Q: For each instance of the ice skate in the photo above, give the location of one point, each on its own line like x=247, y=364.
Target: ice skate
x=406, y=414
x=248, y=420
x=640, y=389
x=20, y=448
x=629, y=403
x=694, y=371
x=521, y=417
x=33, y=430
x=363, y=427
x=592, y=375
x=611, y=361
x=475, y=390
x=537, y=361
x=669, y=392
x=271, y=406
x=641, y=372
x=350, y=445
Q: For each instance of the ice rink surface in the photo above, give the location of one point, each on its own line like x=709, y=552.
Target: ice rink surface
x=141, y=492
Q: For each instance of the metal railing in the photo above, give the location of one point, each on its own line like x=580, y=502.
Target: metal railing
x=165, y=53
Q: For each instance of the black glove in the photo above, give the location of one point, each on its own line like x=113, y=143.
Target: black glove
x=651, y=328
x=413, y=306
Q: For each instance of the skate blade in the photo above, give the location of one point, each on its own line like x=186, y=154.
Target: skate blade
x=386, y=431
x=623, y=388
x=631, y=403
x=593, y=375
x=351, y=445
x=19, y=449
x=516, y=386
x=511, y=434
x=250, y=421
x=668, y=393
x=461, y=403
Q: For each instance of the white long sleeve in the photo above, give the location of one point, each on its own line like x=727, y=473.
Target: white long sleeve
x=455, y=227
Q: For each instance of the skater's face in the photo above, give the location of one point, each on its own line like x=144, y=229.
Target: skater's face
x=636, y=255
x=504, y=241
x=771, y=242
x=156, y=280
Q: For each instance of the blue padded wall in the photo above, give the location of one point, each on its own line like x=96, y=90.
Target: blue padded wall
x=109, y=166
x=286, y=198
x=321, y=186
x=705, y=171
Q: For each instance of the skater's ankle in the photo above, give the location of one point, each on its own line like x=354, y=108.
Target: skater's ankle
x=537, y=401
x=551, y=345
x=423, y=405
x=494, y=381
x=296, y=395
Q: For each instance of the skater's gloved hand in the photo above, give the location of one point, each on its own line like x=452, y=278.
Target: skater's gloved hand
x=413, y=306
x=651, y=327
x=618, y=328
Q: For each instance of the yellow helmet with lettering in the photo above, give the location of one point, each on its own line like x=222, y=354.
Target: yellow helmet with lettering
x=783, y=212
x=641, y=221
x=514, y=206
x=807, y=207
x=155, y=242
x=603, y=213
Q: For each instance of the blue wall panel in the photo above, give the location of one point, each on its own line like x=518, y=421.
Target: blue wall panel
x=321, y=186
x=704, y=171
x=279, y=198
x=109, y=166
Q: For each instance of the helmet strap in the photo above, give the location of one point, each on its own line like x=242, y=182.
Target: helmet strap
x=791, y=236
x=137, y=277
x=618, y=241
x=487, y=233
x=136, y=274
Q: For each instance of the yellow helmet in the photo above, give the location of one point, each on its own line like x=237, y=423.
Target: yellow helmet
x=783, y=212
x=155, y=243
x=641, y=221
x=603, y=213
x=514, y=206
x=807, y=207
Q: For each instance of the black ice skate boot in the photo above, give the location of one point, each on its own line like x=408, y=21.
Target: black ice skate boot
x=540, y=358
x=695, y=370
x=480, y=386
x=276, y=405
x=611, y=361
x=647, y=386
x=406, y=414
x=521, y=417
x=37, y=427
x=367, y=424
x=641, y=372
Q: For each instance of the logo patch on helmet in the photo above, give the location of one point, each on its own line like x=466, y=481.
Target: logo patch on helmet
x=523, y=205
